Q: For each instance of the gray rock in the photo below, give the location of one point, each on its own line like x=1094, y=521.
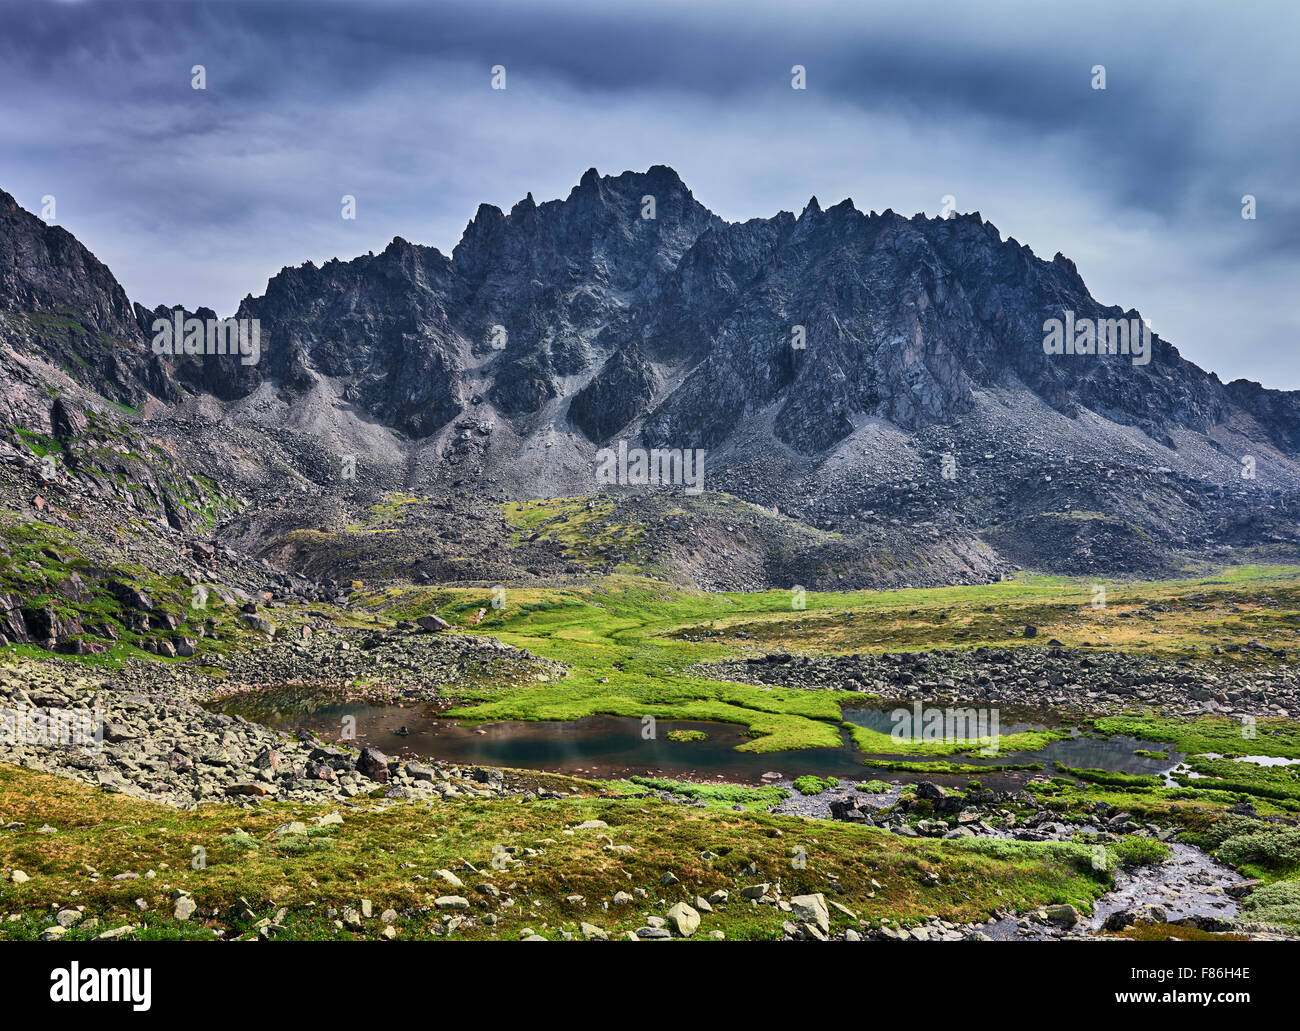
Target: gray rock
x=683, y=919
x=812, y=909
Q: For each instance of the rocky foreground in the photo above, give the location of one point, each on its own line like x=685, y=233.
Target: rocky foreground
x=176, y=752
x=157, y=742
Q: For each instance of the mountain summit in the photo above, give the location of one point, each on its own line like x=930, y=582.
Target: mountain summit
x=850, y=368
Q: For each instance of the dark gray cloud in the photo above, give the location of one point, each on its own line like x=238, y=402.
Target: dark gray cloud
x=197, y=197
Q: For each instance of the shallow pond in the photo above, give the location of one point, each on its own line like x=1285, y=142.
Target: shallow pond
x=614, y=746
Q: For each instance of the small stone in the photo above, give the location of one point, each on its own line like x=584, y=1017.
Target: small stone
x=68, y=917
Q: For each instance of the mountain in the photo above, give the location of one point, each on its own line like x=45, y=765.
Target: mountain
x=879, y=380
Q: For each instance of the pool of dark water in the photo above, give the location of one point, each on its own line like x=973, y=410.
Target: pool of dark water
x=616, y=746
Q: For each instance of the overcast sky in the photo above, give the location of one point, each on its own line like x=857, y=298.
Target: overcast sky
x=197, y=197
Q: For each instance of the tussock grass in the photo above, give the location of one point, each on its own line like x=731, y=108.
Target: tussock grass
x=388, y=852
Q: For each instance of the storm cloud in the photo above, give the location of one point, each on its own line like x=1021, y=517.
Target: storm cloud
x=198, y=196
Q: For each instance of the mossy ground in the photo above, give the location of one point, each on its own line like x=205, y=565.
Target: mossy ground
x=724, y=796
x=630, y=641
x=1175, y=932
x=388, y=514
x=875, y=741
x=589, y=530
x=61, y=571
x=388, y=853
x=1178, y=619
x=1271, y=737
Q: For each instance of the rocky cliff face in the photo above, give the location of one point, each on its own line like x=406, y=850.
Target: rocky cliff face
x=832, y=363
x=837, y=316
x=45, y=269
x=61, y=305
x=635, y=309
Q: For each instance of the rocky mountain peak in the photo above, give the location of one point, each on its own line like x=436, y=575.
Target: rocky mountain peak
x=627, y=307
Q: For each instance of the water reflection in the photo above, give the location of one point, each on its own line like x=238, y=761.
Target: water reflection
x=613, y=746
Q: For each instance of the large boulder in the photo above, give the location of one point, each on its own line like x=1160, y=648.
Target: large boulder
x=811, y=909
x=130, y=596
x=1062, y=916
x=374, y=764
x=683, y=919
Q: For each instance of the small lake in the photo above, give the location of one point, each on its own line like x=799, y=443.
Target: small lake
x=614, y=746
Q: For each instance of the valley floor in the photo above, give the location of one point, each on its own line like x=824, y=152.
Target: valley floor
x=192, y=821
